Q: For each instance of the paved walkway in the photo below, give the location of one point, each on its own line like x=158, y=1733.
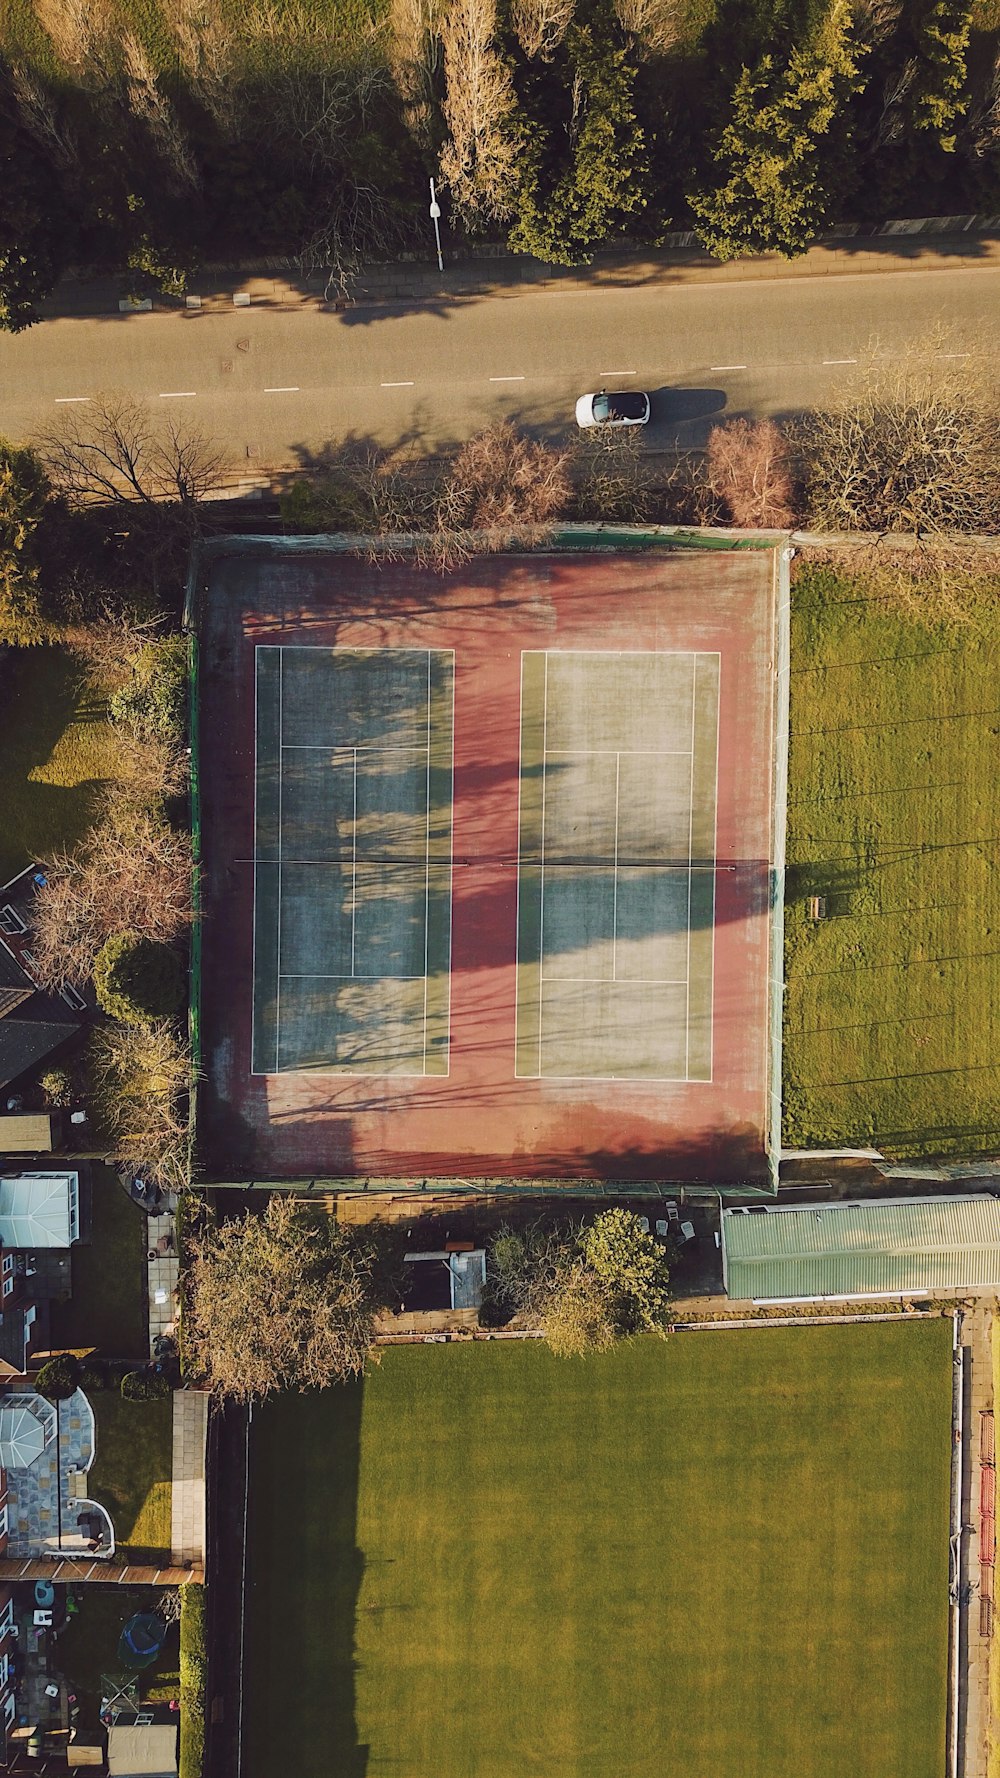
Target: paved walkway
x=162, y=1274
x=187, y=1501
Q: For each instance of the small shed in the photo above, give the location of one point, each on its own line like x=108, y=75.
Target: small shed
x=27, y=1132
x=142, y=1750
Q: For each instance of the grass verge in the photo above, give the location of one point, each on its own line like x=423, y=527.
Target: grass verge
x=56, y=749
x=132, y=1473
x=724, y=1552
x=893, y=812
x=192, y=1751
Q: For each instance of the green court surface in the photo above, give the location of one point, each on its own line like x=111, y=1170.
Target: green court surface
x=724, y=1553
x=616, y=870
x=352, y=860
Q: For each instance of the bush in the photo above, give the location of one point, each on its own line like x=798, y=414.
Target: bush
x=193, y=1676
x=93, y=1375
x=748, y=471
x=138, y=979
x=139, y=1078
x=144, y=1386
x=152, y=700
x=57, y=1087
x=60, y=1378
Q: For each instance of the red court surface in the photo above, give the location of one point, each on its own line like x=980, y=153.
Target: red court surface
x=481, y=1118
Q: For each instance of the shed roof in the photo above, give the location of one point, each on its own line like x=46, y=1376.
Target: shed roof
x=142, y=1750
x=887, y=1247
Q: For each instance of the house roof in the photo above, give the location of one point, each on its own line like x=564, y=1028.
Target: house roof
x=32, y=1024
x=883, y=1247
x=35, y=1210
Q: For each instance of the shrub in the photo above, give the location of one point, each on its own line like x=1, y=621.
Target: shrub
x=144, y=1386
x=60, y=1377
x=93, y=1375
x=140, y=1075
x=748, y=472
x=138, y=979
x=57, y=1087
x=151, y=702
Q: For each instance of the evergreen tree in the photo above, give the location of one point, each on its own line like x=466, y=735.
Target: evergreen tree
x=24, y=490
x=939, y=96
x=779, y=158
x=35, y=236
x=567, y=212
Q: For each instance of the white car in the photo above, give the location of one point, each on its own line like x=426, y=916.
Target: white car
x=630, y=408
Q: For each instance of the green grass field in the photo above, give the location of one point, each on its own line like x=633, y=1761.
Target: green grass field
x=726, y=1553
x=132, y=1472
x=893, y=813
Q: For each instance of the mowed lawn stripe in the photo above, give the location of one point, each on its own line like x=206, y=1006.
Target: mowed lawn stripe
x=723, y=1553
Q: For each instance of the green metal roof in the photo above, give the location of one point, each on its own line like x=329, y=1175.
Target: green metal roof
x=880, y=1248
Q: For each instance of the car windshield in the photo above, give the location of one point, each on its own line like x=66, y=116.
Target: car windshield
x=619, y=407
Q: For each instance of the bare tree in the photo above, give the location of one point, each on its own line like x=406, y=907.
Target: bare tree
x=656, y=25
x=41, y=117
x=208, y=51
x=140, y=1078
x=147, y=101
x=615, y=479
x=282, y=1299
x=111, y=450
x=480, y=160
x=109, y=646
x=414, y=52
x=81, y=33
x=541, y=25
x=909, y=446
x=132, y=874
x=501, y=478
x=749, y=471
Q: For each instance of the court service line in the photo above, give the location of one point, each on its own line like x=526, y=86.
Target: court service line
x=354, y=861
x=277, y=961
x=687, y=991
x=541, y=858
x=614, y=911
x=625, y=981
x=427, y=859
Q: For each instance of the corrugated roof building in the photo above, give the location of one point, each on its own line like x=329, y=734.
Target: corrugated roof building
x=887, y=1247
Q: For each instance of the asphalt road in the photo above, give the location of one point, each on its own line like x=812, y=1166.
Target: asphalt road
x=276, y=385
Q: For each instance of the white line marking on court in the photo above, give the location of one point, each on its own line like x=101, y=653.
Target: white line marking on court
x=427, y=857
x=283, y=389
x=354, y=860
x=277, y=961
x=70, y=400
x=625, y=981
x=614, y=912
x=176, y=394
x=727, y=367
x=541, y=863
x=840, y=361
x=392, y=386
x=687, y=992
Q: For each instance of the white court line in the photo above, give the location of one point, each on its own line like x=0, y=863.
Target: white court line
x=70, y=400
x=614, y=914
x=176, y=394
x=354, y=861
x=840, y=361
x=541, y=862
x=687, y=995
x=283, y=389
x=427, y=856
x=611, y=752
x=625, y=981
x=391, y=386
x=506, y=379
x=277, y=965
x=341, y=747
x=727, y=367
x=327, y=975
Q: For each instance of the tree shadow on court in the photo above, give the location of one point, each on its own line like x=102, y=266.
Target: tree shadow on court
x=305, y=1572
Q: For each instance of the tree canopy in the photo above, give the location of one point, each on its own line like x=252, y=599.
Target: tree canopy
x=586, y=1285
x=282, y=1299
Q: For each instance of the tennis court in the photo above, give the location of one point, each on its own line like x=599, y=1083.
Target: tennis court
x=352, y=860
x=616, y=865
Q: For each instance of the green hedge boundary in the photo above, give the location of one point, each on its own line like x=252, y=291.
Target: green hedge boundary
x=192, y=1672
